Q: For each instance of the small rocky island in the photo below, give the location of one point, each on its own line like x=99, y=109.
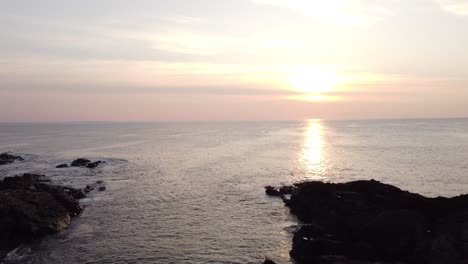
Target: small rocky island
x=81, y=162
x=30, y=209
x=371, y=222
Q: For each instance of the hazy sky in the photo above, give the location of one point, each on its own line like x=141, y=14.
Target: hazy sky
x=232, y=59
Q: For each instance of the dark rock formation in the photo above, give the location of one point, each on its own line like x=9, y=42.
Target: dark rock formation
x=80, y=163
x=6, y=158
x=62, y=166
x=31, y=209
x=268, y=261
x=86, y=163
x=102, y=188
x=88, y=188
x=368, y=221
x=272, y=191
x=78, y=193
x=93, y=165
x=284, y=190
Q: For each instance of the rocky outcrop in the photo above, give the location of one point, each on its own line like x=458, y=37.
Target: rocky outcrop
x=80, y=163
x=93, y=165
x=85, y=163
x=368, y=222
x=31, y=209
x=6, y=158
x=272, y=191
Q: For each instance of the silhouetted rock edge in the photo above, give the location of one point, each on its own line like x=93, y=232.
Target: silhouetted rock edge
x=368, y=222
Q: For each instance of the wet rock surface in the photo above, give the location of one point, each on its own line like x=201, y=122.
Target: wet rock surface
x=30, y=209
x=80, y=163
x=368, y=222
x=85, y=163
x=93, y=165
x=6, y=158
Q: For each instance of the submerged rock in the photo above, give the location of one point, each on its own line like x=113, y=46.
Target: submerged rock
x=31, y=209
x=62, y=166
x=102, y=188
x=6, y=158
x=368, y=221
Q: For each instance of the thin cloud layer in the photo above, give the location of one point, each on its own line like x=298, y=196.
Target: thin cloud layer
x=457, y=7
x=263, y=59
x=341, y=12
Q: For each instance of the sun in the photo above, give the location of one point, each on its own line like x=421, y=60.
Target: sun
x=311, y=80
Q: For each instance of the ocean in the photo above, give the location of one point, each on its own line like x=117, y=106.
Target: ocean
x=194, y=192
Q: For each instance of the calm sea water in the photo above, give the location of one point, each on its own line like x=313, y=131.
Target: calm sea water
x=193, y=192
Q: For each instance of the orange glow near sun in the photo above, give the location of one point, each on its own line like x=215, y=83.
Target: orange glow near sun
x=314, y=83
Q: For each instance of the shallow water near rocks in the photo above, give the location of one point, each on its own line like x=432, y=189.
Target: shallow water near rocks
x=193, y=192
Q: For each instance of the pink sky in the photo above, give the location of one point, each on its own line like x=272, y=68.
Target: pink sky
x=262, y=60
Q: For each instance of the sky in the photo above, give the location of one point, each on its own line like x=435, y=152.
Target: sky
x=205, y=60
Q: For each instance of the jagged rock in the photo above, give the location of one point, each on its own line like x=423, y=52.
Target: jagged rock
x=31, y=209
x=268, y=261
x=368, y=221
x=62, y=166
x=6, y=158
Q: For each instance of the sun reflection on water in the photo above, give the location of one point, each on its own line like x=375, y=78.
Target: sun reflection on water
x=312, y=157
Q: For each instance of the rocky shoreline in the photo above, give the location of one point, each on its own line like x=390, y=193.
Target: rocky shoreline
x=31, y=208
x=371, y=222
x=6, y=158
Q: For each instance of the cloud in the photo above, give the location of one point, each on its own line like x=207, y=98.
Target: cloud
x=194, y=43
x=151, y=90
x=457, y=7
x=183, y=20
x=338, y=12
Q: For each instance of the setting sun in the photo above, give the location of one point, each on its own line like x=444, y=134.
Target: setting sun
x=132, y=131
x=312, y=80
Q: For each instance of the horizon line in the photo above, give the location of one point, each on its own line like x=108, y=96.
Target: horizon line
x=229, y=121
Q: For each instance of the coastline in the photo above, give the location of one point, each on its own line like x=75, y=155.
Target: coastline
x=368, y=222
x=31, y=208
